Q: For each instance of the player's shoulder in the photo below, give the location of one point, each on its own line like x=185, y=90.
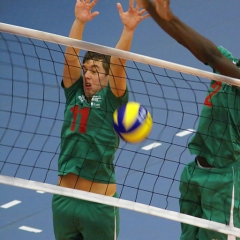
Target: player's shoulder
x=227, y=53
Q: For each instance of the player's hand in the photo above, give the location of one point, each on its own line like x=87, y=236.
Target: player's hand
x=142, y=3
x=133, y=16
x=163, y=9
x=83, y=10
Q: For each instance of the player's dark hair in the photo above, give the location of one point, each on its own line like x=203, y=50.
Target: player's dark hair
x=99, y=57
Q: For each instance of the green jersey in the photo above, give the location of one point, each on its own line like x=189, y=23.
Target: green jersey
x=88, y=140
x=218, y=134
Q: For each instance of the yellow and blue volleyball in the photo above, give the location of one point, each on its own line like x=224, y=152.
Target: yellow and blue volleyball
x=132, y=122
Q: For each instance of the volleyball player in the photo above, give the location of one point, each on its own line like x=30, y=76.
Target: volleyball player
x=209, y=185
x=93, y=90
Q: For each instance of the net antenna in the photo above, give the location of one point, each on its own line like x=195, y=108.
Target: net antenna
x=31, y=115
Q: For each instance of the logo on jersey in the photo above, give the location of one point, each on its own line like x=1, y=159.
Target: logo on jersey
x=96, y=100
x=82, y=98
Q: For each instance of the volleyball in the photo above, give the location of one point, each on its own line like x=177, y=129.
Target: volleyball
x=132, y=122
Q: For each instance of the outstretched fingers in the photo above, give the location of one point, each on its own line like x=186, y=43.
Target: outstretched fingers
x=145, y=16
x=93, y=3
x=119, y=7
x=83, y=10
x=142, y=11
x=131, y=4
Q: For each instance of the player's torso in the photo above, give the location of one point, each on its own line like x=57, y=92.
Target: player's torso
x=218, y=134
x=89, y=125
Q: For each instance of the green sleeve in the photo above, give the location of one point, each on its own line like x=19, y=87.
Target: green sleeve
x=228, y=55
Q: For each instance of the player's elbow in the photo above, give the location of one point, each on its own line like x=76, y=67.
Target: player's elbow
x=210, y=56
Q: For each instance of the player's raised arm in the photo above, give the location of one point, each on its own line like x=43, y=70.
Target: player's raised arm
x=202, y=48
x=72, y=67
x=130, y=20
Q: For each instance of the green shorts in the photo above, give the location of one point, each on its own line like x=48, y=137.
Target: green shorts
x=79, y=219
x=208, y=193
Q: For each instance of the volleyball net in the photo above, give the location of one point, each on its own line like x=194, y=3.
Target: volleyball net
x=31, y=116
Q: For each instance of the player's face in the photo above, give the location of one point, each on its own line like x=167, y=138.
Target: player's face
x=94, y=77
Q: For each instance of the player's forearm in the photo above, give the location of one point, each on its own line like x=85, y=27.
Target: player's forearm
x=124, y=43
x=118, y=73
x=76, y=32
x=201, y=48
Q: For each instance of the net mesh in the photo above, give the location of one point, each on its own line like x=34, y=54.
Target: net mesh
x=31, y=115
x=31, y=108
